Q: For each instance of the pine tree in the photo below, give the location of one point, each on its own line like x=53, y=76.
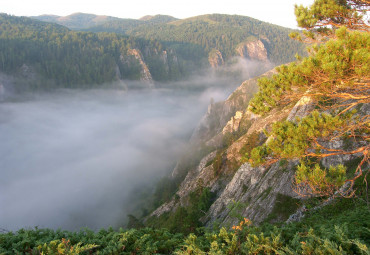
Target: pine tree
x=336, y=79
x=324, y=16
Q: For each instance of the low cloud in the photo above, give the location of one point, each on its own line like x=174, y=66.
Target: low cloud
x=73, y=158
x=70, y=159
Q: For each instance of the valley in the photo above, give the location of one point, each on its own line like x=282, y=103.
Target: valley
x=214, y=134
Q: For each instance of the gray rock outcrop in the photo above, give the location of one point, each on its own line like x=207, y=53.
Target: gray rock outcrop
x=252, y=50
x=145, y=74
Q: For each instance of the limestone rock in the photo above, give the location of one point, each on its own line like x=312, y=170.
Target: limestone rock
x=233, y=124
x=203, y=173
x=301, y=109
x=220, y=113
x=254, y=187
x=145, y=74
x=215, y=58
x=252, y=50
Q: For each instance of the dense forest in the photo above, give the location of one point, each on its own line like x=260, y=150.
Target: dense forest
x=199, y=35
x=225, y=33
x=66, y=57
x=166, y=48
x=317, y=136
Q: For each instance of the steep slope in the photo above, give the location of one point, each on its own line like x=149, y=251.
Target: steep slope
x=85, y=59
x=229, y=131
x=59, y=57
x=224, y=33
x=196, y=37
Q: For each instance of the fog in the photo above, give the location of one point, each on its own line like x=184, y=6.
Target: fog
x=70, y=159
x=77, y=158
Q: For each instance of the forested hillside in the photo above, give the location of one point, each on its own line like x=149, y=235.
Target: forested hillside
x=304, y=134
x=199, y=35
x=77, y=20
x=225, y=33
x=280, y=167
x=66, y=58
x=159, y=48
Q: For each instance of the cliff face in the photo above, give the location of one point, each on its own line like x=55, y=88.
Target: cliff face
x=252, y=50
x=215, y=58
x=229, y=130
x=145, y=74
x=220, y=113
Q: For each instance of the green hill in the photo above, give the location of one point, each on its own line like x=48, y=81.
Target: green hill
x=223, y=32
x=159, y=48
x=76, y=21
x=65, y=58
x=195, y=36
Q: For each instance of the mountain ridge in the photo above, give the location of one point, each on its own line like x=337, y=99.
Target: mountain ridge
x=77, y=20
x=99, y=53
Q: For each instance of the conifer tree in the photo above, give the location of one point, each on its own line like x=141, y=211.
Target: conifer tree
x=336, y=79
x=324, y=16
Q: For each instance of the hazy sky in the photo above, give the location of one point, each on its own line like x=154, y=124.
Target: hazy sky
x=280, y=12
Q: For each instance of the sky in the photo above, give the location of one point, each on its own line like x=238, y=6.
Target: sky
x=279, y=12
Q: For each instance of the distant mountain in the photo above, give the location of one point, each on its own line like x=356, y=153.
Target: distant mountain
x=154, y=48
x=77, y=21
x=102, y=23
x=158, y=19
x=51, y=55
x=125, y=26
x=200, y=36
x=225, y=33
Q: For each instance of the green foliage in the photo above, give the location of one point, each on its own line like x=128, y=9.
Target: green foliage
x=229, y=138
x=325, y=15
x=134, y=241
x=314, y=235
x=258, y=155
x=76, y=20
x=236, y=209
x=334, y=78
x=325, y=181
x=332, y=68
x=185, y=219
x=291, y=140
x=164, y=191
x=294, y=140
x=217, y=163
x=71, y=58
x=283, y=208
x=149, y=241
x=133, y=222
x=342, y=227
x=63, y=247
x=199, y=35
x=252, y=141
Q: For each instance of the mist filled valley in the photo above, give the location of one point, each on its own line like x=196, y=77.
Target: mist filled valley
x=73, y=158
x=213, y=134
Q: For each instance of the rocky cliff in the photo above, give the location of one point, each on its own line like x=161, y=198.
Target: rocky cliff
x=229, y=131
x=145, y=74
x=254, y=49
x=215, y=58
